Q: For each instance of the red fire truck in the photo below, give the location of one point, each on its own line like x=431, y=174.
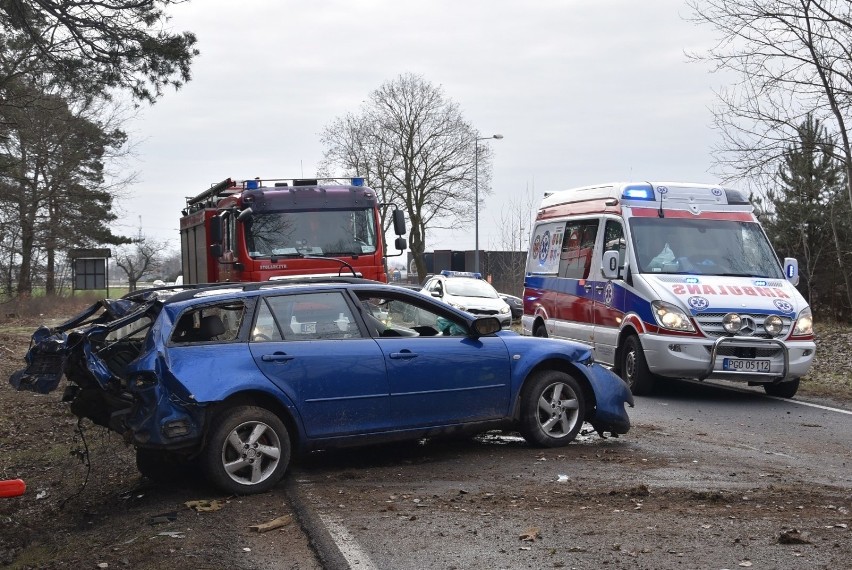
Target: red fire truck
x=256, y=230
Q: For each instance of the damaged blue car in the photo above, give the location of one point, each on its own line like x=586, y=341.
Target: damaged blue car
x=235, y=378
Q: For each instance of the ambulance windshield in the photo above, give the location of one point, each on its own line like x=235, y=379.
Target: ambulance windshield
x=703, y=247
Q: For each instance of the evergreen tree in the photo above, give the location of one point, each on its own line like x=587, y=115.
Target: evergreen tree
x=806, y=214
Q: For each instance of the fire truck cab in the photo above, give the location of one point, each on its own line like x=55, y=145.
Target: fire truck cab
x=670, y=280
x=257, y=230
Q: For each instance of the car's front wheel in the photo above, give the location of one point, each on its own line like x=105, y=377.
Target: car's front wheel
x=634, y=368
x=552, y=409
x=248, y=450
x=782, y=389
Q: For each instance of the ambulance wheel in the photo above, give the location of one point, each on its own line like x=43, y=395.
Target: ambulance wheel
x=782, y=389
x=634, y=367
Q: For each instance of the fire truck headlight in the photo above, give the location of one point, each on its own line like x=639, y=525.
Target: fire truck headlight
x=773, y=325
x=732, y=323
x=804, y=324
x=670, y=317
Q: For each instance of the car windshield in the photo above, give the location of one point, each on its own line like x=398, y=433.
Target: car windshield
x=465, y=287
x=325, y=232
x=703, y=247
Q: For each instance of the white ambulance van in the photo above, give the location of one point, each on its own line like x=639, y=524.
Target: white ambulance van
x=667, y=280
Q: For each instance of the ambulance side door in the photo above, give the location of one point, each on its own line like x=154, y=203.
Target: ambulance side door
x=609, y=295
x=574, y=315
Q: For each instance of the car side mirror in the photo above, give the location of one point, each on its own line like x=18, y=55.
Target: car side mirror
x=609, y=265
x=216, y=250
x=485, y=326
x=399, y=224
x=791, y=270
x=437, y=293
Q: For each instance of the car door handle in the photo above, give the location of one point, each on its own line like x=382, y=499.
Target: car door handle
x=599, y=287
x=587, y=286
x=403, y=355
x=277, y=357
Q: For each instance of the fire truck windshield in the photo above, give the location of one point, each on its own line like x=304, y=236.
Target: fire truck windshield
x=703, y=247
x=324, y=232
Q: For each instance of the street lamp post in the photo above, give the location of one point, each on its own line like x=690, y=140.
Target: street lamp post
x=476, y=194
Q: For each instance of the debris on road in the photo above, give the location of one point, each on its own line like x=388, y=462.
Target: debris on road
x=273, y=524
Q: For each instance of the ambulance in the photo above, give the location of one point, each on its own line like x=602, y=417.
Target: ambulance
x=667, y=280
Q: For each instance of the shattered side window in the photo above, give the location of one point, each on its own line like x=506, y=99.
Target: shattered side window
x=210, y=323
x=314, y=316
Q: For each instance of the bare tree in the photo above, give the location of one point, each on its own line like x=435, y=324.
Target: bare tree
x=513, y=224
x=415, y=146
x=143, y=257
x=793, y=59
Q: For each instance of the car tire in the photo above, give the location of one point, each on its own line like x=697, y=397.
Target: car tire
x=782, y=389
x=553, y=409
x=634, y=367
x=540, y=331
x=248, y=450
x=163, y=466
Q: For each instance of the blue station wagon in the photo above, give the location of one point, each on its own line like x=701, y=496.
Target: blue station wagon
x=236, y=377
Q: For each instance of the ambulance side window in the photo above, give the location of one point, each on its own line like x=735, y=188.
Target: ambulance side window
x=575, y=261
x=614, y=240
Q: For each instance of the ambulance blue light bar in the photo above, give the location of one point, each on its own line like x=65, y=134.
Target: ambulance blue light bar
x=638, y=192
x=448, y=273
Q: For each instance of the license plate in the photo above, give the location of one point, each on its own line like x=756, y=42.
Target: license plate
x=741, y=365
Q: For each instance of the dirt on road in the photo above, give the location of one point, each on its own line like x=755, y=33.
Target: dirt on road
x=86, y=506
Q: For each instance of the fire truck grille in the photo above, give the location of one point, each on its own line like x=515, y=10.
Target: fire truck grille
x=711, y=325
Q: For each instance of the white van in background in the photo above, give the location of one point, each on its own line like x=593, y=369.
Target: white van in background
x=670, y=280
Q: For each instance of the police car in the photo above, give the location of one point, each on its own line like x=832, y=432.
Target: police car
x=469, y=292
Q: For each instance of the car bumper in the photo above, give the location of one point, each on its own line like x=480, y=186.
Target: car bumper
x=679, y=357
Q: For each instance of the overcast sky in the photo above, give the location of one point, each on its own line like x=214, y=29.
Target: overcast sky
x=582, y=91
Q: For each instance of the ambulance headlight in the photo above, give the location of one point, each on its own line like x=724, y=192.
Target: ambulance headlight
x=773, y=325
x=804, y=324
x=732, y=323
x=670, y=317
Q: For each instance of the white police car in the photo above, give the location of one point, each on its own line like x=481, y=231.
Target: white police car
x=469, y=292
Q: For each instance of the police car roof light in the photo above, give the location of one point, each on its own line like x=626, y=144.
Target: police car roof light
x=472, y=275
x=357, y=181
x=638, y=192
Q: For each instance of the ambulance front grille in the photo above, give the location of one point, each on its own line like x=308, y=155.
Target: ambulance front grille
x=711, y=325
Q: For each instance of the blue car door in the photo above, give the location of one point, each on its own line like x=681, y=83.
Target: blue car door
x=437, y=374
x=311, y=348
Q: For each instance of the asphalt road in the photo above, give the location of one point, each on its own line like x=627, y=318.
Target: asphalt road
x=709, y=477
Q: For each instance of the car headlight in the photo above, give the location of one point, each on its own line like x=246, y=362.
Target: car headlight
x=732, y=323
x=773, y=325
x=804, y=324
x=505, y=310
x=457, y=306
x=670, y=317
